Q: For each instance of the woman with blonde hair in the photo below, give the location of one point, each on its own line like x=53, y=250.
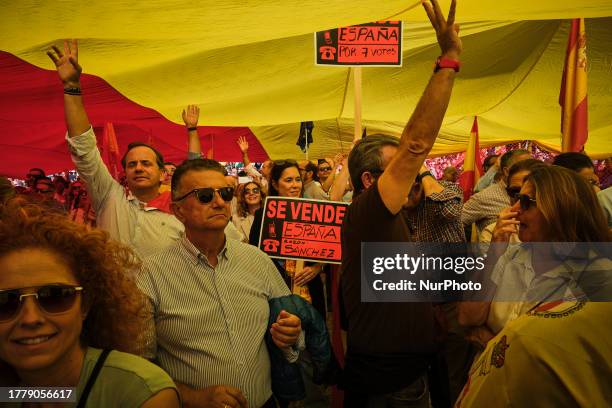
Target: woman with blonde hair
x=70, y=312
x=554, y=205
x=555, y=350
x=250, y=199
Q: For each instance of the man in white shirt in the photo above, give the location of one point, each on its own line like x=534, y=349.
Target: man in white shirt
x=138, y=216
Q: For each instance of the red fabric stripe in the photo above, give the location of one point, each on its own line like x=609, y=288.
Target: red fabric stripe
x=475, y=127
x=467, y=184
x=573, y=36
x=580, y=126
x=571, y=43
x=32, y=124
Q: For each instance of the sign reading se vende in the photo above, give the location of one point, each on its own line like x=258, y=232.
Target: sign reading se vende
x=297, y=228
x=374, y=44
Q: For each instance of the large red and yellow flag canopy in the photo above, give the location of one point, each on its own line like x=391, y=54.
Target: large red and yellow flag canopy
x=249, y=65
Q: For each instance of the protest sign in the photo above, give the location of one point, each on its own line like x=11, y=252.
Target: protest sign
x=373, y=44
x=297, y=228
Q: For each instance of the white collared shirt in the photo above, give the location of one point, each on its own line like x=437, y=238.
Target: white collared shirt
x=146, y=229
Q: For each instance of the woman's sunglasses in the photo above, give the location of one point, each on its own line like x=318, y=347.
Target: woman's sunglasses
x=251, y=190
x=52, y=299
x=206, y=195
x=525, y=201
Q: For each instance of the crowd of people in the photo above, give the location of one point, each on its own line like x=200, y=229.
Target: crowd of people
x=152, y=290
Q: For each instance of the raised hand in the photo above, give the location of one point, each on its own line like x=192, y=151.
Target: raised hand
x=339, y=158
x=447, y=31
x=191, y=115
x=243, y=144
x=67, y=62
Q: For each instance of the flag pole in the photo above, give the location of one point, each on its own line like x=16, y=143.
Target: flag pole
x=357, y=92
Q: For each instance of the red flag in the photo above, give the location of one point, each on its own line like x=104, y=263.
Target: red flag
x=210, y=152
x=110, y=150
x=573, y=95
x=472, y=164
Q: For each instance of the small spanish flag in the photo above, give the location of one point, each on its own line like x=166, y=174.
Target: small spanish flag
x=573, y=95
x=472, y=164
x=110, y=151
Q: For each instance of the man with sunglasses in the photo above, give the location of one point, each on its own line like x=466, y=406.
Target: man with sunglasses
x=312, y=188
x=208, y=297
x=325, y=174
x=34, y=174
x=483, y=207
x=514, y=182
x=390, y=345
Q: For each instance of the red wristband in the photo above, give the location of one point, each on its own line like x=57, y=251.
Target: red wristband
x=442, y=62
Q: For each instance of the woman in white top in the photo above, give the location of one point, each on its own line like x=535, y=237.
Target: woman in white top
x=250, y=198
x=554, y=205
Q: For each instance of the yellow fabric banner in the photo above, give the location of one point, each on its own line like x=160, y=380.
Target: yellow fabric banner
x=251, y=63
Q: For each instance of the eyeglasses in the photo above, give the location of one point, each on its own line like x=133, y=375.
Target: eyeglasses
x=52, y=299
x=513, y=193
x=206, y=195
x=525, y=201
x=325, y=168
x=251, y=191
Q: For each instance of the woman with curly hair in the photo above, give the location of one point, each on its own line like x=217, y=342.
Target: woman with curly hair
x=250, y=199
x=66, y=300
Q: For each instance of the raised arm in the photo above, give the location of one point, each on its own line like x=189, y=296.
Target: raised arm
x=420, y=133
x=244, y=149
x=430, y=184
x=68, y=68
x=338, y=188
x=191, y=115
x=82, y=141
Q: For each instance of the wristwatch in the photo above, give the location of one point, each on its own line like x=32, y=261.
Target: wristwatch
x=442, y=62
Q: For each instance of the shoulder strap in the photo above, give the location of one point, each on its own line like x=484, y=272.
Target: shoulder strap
x=92, y=378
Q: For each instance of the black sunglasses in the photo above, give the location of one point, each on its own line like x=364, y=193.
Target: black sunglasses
x=325, y=168
x=254, y=190
x=206, y=195
x=52, y=299
x=513, y=193
x=525, y=201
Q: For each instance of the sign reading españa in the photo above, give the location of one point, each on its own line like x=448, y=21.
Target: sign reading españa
x=374, y=44
x=297, y=228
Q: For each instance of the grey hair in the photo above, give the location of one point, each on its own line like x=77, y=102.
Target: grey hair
x=366, y=156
